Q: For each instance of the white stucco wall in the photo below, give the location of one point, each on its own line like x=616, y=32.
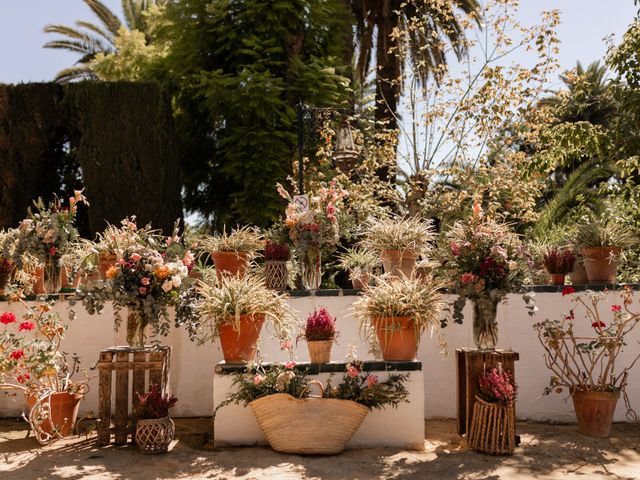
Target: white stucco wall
x=192, y=366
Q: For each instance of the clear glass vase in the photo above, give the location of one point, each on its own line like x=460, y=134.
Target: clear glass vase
x=135, y=329
x=52, y=276
x=485, y=321
x=311, y=268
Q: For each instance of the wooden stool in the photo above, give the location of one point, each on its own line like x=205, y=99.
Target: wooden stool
x=470, y=365
x=154, y=360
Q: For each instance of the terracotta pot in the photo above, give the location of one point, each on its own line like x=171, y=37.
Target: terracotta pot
x=320, y=350
x=6, y=271
x=239, y=346
x=64, y=411
x=556, y=278
x=361, y=281
x=107, y=260
x=601, y=263
x=67, y=282
x=579, y=275
x=594, y=412
x=397, y=338
x=230, y=263
x=399, y=262
x=38, y=281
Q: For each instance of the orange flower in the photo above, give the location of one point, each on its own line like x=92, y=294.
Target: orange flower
x=112, y=272
x=161, y=272
x=290, y=223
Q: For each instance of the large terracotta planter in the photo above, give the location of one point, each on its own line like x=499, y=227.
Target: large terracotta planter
x=64, y=411
x=397, y=337
x=319, y=350
x=230, y=263
x=594, y=412
x=239, y=346
x=106, y=261
x=67, y=281
x=579, y=275
x=399, y=262
x=361, y=281
x=601, y=263
x=38, y=281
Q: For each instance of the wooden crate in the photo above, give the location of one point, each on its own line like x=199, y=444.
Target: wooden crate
x=125, y=371
x=470, y=364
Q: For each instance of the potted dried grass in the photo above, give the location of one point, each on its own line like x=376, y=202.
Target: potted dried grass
x=154, y=427
x=398, y=311
x=231, y=253
x=360, y=264
x=399, y=241
x=233, y=310
x=320, y=332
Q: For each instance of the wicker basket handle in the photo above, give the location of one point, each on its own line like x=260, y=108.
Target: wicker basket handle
x=318, y=384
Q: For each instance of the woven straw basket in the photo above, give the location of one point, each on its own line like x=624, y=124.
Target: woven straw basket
x=154, y=435
x=493, y=428
x=308, y=425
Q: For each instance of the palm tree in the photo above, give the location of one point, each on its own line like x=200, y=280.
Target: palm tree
x=89, y=39
x=376, y=22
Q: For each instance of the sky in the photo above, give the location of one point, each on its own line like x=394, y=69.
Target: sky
x=22, y=59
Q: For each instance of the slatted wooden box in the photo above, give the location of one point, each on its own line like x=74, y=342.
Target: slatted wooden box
x=123, y=371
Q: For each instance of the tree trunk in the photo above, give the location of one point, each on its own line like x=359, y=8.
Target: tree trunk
x=388, y=66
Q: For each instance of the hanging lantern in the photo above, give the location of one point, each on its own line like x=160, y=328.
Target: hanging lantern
x=345, y=155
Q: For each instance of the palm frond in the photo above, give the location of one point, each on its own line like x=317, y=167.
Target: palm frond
x=75, y=73
x=96, y=29
x=106, y=16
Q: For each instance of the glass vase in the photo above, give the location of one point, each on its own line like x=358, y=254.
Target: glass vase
x=52, y=276
x=135, y=329
x=485, y=321
x=311, y=268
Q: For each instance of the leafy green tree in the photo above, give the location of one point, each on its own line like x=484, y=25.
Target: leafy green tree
x=90, y=39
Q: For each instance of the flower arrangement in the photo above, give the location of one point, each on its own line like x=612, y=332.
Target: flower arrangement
x=320, y=326
x=582, y=350
x=496, y=386
x=276, y=252
x=317, y=226
x=559, y=261
x=153, y=404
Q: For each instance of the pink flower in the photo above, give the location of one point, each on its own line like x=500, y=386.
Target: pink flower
x=455, y=249
x=145, y=281
x=257, y=380
x=142, y=290
x=135, y=257
x=290, y=364
x=331, y=210
x=615, y=308
x=352, y=371
x=188, y=259
x=285, y=346
x=26, y=326
x=372, y=380
x=568, y=290
x=7, y=318
x=16, y=354
x=467, y=278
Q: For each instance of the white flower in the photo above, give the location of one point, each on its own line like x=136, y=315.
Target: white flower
x=177, y=281
x=167, y=286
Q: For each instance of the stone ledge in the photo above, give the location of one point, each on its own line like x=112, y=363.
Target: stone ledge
x=333, y=367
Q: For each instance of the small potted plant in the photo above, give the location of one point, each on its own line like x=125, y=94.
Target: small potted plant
x=232, y=252
x=582, y=352
x=31, y=362
x=398, y=311
x=323, y=423
x=233, y=310
x=601, y=242
x=399, y=242
x=360, y=264
x=320, y=332
x=154, y=427
x=276, y=273
x=493, y=424
x=559, y=263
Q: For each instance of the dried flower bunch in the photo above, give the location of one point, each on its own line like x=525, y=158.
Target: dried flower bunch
x=320, y=326
x=358, y=261
x=581, y=350
x=223, y=302
x=241, y=239
x=401, y=297
x=411, y=234
x=559, y=261
x=496, y=386
x=276, y=252
x=153, y=404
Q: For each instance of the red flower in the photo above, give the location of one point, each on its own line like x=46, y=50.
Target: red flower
x=568, y=290
x=615, y=308
x=23, y=378
x=598, y=324
x=571, y=316
x=290, y=364
x=7, y=318
x=16, y=355
x=52, y=251
x=26, y=326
